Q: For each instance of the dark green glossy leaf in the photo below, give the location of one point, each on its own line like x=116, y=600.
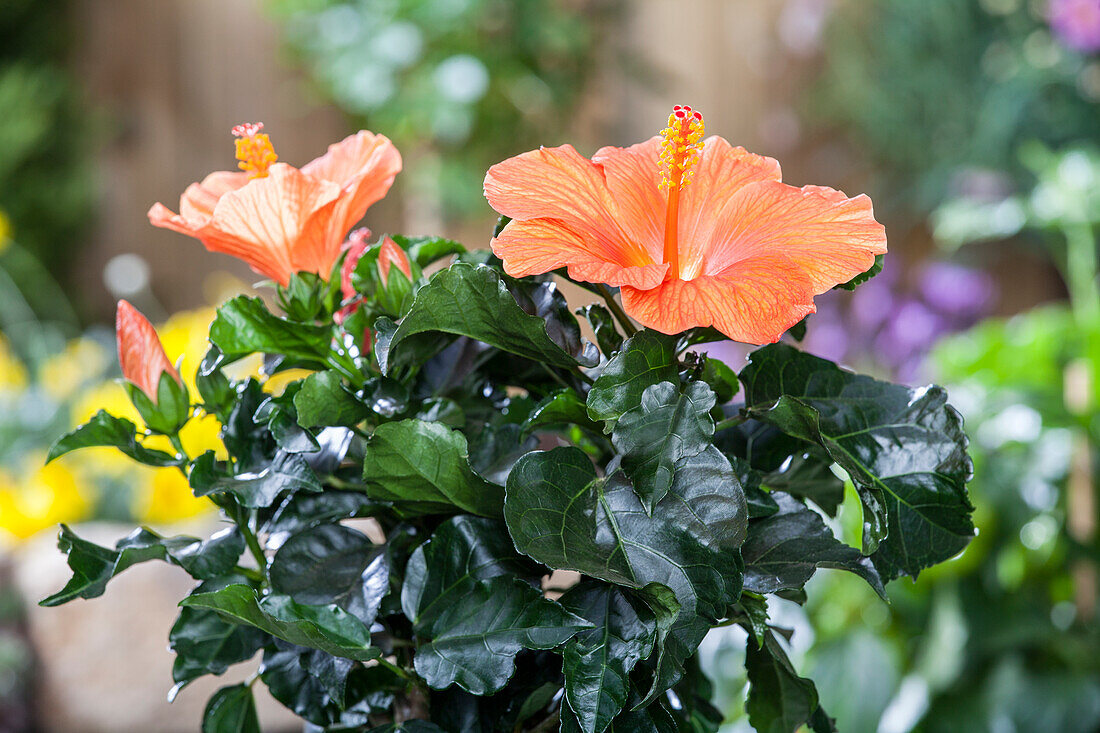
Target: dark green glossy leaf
x=107, y=430
x=328, y=628
x=326, y=690
x=231, y=710
x=602, y=322
x=807, y=476
x=93, y=566
x=205, y=643
x=301, y=511
x=761, y=503
x=468, y=300
x=783, y=550
x=779, y=700
x=666, y=428
x=903, y=448
x=476, y=630
x=561, y=513
x=721, y=379
x=424, y=467
x=752, y=611
x=245, y=326
x=598, y=661
x=332, y=563
x=214, y=387
x=461, y=548
x=563, y=407
x=287, y=472
x=474, y=602
x=646, y=358
x=426, y=250
x=324, y=401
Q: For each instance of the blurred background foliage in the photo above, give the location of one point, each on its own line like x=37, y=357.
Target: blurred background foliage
x=457, y=84
x=46, y=187
x=974, y=121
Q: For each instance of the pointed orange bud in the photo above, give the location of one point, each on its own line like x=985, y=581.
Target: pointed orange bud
x=391, y=254
x=140, y=352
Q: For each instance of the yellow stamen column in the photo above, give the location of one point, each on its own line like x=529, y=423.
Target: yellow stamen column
x=682, y=141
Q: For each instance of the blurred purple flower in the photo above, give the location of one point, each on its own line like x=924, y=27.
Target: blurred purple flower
x=827, y=338
x=956, y=291
x=873, y=302
x=1076, y=23
x=912, y=329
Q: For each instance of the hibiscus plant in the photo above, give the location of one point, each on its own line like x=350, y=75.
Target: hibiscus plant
x=464, y=516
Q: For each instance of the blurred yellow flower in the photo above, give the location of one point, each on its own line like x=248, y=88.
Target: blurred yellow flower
x=5, y=231
x=43, y=498
x=64, y=373
x=166, y=497
x=13, y=375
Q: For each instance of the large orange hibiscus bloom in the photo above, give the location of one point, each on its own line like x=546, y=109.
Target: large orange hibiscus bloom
x=281, y=219
x=693, y=232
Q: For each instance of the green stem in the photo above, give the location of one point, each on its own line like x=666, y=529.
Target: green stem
x=629, y=329
x=249, y=573
x=394, y=668
x=253, y=542
x=730, y=422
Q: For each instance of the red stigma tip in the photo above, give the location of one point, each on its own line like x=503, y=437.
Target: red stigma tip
x=247, y=129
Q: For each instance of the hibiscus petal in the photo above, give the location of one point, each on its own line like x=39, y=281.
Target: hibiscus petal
x=721, y=172
x=633, y=175
x=364, y=165
x=560, y=184
x=542, y=245
x=277, y=224
x=831, y=238
x=140, y=353
x=753, y=302
x=198, y=201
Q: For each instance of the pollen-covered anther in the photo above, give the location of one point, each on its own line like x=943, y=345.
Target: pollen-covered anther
x=680, y=146
x=255, y=153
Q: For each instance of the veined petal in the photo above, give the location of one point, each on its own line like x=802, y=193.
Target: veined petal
x=753, y=301
x=561, y=185
x=199, y=199
x=140, y=353
x=542, y=245
x=277, y=224
x=364, y=165
x=721, y=173
x=633, y=175
x=831, y=238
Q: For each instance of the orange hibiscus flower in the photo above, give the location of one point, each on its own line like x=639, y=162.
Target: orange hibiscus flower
x=694, y=232
x=281, y=219
x=140, y=353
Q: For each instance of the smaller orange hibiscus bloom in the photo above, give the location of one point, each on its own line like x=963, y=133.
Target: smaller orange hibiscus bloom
x=140, y=352
x=281, y=219
x=694, y=232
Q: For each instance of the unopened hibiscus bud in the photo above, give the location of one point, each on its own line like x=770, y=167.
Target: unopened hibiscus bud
x=154, y=385
x=395, y=277
x=389, y=255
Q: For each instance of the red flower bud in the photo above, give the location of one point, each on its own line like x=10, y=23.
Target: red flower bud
x=140, y=352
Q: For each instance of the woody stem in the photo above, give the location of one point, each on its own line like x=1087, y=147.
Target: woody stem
x=629, y=329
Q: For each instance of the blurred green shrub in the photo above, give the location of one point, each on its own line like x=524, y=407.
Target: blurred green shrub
x=935, y=91
x=457, y=84
x=45, y=177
